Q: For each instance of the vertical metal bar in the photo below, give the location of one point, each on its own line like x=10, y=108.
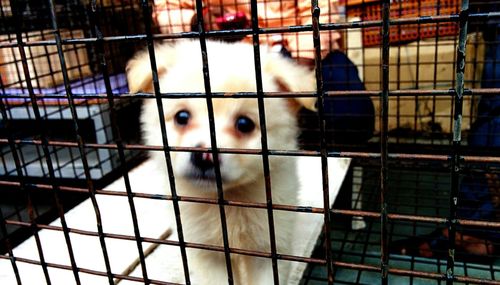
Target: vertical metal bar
x=213, y=140
x=23, y=188
x=116, y=136
x=417, y=78
x=29, y=206
x=265, y=150
x=435, y=81
x=43, y=137
x=384, y=109
x=472, y=98
x=36, y=77
x=8, y=246
x=398, y=77
x=74, y=50
x=101, y=158
x=452, y=111
x=166, y=148
x=79, y=140
x=315, y=12
x=457, y=137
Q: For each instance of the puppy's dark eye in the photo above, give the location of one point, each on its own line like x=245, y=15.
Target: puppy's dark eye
x=182, y=117
x=244, y=124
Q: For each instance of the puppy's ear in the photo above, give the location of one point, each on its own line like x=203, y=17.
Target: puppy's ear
x=139, y=75
x=291, y=77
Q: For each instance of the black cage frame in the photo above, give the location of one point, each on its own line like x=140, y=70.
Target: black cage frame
x=456, y=156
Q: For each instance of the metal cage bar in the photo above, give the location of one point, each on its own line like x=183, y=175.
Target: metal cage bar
x=454, y=157
x=263, y=132
x=349, y=154
x=80, y=143
x=213, y=140
x=301, y=28
x=457, y=137
x=48, y=160
x=315, y=11
x=298, y=28
x=23, y=187
x=173, y=95
x=3, y=231
x=338, y=264
x=301, y=209
x=384, y=117
x=156, y=88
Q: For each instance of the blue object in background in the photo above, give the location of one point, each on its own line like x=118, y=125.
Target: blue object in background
x=486, y=130
x=475, y=200
x=350, y=119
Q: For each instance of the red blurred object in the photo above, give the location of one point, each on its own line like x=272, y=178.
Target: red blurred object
x=232, y=21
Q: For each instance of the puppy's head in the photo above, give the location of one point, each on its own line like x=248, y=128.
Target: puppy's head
x=236, y=120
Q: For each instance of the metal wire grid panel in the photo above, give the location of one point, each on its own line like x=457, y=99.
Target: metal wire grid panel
x=47, y=76
x=383, y=216
x=415, y=192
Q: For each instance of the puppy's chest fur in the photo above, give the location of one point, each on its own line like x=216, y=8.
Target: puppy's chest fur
x=247, y=228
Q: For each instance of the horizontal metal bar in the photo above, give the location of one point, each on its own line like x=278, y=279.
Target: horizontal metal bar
x=372, y=93
x=359, y=48
x=143, y=95
x=309, y=153
x=362, y=267
x=172, y=243
x=466, y=279
x=289, y=29
x=239, y=151
x=88, y=271
x=290, y=208
x=437, y=276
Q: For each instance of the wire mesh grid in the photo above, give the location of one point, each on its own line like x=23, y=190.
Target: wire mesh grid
x=412, y=192
x=64, y=112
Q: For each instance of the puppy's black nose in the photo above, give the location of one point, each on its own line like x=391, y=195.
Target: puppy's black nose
x=202, y=160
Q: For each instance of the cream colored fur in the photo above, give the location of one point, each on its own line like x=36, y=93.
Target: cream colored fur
x=231, y=70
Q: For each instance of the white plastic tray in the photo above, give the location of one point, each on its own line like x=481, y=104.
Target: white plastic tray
x=165, y=260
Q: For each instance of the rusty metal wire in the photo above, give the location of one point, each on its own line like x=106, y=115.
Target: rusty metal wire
x=457, y=131
x=48, y=160
x=264, y=146
x=90, y=184
x=263, y=31
x=156, y=86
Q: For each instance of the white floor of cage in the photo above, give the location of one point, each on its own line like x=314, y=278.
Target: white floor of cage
x=165, y=260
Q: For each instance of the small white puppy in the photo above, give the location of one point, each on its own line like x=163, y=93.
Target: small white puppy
x=237, y=125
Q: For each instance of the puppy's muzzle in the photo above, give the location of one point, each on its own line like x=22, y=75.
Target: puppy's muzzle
x=204, y=162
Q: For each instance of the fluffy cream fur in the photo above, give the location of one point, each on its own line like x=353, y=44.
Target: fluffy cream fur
x=231, y=69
